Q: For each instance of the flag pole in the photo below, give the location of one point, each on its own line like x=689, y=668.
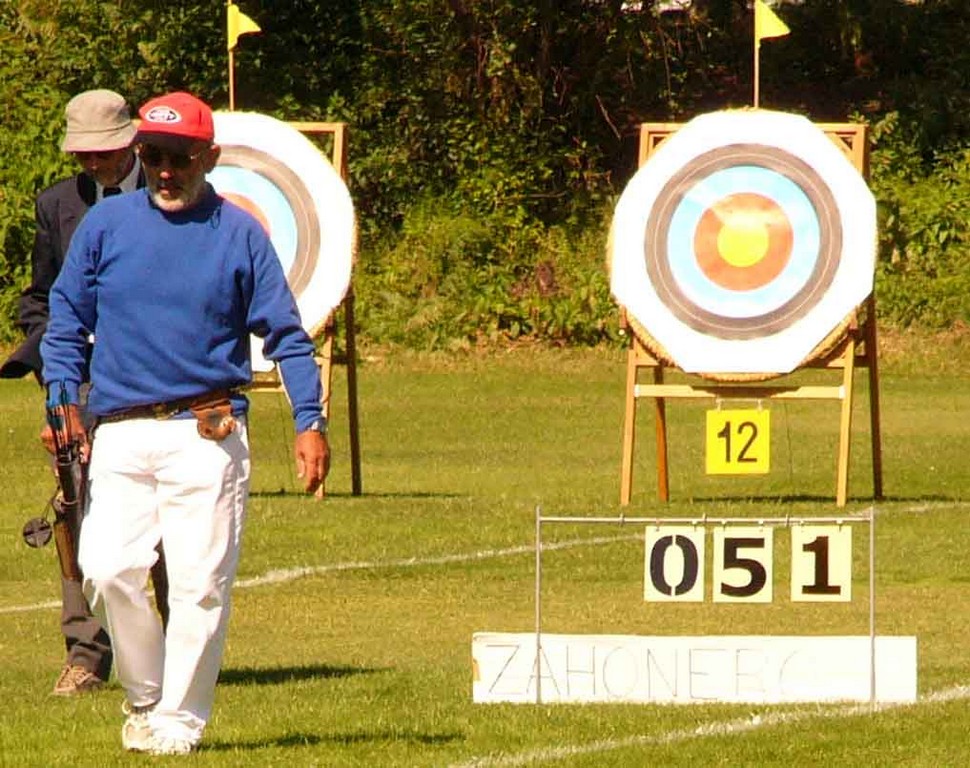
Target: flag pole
x=757, y=70
x=232, y=82
x=766, y=24
x=232, y=64
x=237, y=23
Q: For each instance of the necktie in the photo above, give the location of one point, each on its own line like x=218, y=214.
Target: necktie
x=109, y=191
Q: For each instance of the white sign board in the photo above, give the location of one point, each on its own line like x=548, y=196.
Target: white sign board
x=731, y=669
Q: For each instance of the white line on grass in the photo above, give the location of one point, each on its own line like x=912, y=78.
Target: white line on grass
x=278, y=577
x=291, y=574
x=717, y=728
x=32, y=607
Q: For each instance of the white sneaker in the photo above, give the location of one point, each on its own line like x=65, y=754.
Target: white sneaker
x=136, y=733
x=159, y=744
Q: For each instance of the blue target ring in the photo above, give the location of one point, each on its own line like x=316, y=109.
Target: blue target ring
x=277, y=196
x=789, y=185
x=270, y=201
x=802, y=217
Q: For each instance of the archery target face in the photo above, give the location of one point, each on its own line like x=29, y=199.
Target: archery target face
x=277, y=174
x=743, y=241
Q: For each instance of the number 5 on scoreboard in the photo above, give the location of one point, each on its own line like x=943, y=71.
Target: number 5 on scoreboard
x=742, y=569
x=738, y=442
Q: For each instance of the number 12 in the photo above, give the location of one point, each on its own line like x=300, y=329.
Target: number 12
x=738, y=442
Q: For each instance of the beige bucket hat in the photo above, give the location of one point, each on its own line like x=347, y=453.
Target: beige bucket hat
x=97, y=121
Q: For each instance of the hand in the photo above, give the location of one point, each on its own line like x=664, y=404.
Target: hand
x=72, y=430
x=312, y=453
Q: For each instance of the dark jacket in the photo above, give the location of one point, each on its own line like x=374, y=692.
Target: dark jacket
x=58, y=211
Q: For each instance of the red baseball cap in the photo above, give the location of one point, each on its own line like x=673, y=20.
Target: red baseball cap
x=178, y=115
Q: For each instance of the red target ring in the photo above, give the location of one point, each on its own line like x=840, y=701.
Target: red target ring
x=743, y=241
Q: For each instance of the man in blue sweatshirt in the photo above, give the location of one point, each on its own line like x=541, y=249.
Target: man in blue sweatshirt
x=172, y=280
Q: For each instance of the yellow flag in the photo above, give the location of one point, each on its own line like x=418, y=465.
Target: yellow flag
x=238, y=23
x=766, y=23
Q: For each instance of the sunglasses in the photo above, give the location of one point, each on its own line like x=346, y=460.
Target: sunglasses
x=153, y=157
x=98, y=155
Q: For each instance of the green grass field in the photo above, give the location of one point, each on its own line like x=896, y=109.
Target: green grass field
x=350, y=640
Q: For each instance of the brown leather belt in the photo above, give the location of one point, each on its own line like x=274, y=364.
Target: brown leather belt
x=168, y=409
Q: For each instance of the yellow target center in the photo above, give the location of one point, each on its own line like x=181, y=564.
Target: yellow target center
x=743, y=239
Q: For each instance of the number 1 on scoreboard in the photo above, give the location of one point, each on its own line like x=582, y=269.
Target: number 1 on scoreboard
x=821, y=563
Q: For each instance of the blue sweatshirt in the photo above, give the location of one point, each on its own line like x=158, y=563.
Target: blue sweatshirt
x=172, y=299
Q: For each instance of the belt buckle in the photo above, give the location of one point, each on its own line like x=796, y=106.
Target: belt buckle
x=162, y=411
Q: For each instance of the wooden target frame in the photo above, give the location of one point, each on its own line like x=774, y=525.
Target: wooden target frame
x=855, y=348
x=326, y=333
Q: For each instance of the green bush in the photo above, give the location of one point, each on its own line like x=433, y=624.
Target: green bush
x=30, y=133
x=453, y=280
x=923, y=272
x=488, y=139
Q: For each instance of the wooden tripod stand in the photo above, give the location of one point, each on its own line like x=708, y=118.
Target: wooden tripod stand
x=858, y=348
x=327, y=357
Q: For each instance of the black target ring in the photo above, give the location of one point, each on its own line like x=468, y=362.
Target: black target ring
x=658, y=256
x=299, y=199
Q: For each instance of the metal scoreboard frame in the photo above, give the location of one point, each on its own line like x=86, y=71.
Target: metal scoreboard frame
x=537, y=656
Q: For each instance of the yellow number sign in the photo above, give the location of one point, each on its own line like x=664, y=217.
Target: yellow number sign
x=738, y=442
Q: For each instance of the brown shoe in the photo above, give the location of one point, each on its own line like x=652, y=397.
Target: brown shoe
x=74, y=680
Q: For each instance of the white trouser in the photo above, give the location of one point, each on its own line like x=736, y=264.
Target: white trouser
x=151, y=480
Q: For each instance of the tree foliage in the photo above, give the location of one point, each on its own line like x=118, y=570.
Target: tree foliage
x=489, y=139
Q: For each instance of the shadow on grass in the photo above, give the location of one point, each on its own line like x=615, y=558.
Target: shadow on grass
x=934, y=497
x=816, y=499
x=282, y=493
x=281, y=675
x=338, y=739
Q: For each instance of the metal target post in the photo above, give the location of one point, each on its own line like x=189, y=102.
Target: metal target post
x=538, y=603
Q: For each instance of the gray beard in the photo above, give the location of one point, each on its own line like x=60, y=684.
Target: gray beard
x=188, y=197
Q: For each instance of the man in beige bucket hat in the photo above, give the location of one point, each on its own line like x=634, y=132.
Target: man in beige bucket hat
x=99, y=135
x=97, y=121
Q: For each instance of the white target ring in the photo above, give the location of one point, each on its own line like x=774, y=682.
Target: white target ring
x=743, y=242
x=276, y=173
